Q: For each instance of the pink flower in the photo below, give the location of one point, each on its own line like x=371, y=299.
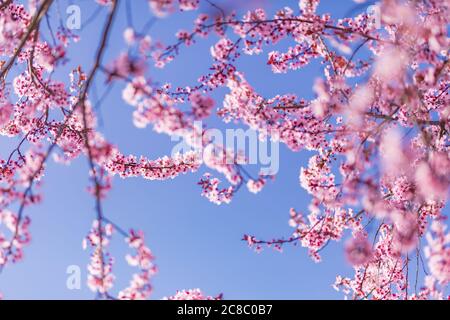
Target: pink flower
x=438, y=252
x=430, y=185
x=201, y=105
x=187, y=5
x=140, y=287
x=376, y=129
x=192, y=294
x=129, y=36
x=405, y=231
x=222, y=49
x=100, y=276
x=12, y=243
x=103, y=2
x=161, y=8
x=210, y=190
x=358, y=250
x=6, y=111
x=391, y=64
x=159, y=169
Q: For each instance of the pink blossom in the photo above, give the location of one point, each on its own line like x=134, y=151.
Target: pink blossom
x=201, y=106
x=187, y=5
x=211, y=191
x=159, y=169
x=358, y=250
x=6, y=111
x=12, y=243
x=100, y=276
x=191, y=294
x=430, y=185
x=125, y=66
x=140, y=287
x=405, y=231
x=374, y=129
x=222, y=49
x=129, y=36
x=438, y=252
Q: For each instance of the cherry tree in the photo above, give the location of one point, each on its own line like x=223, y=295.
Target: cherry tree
x=378, y=129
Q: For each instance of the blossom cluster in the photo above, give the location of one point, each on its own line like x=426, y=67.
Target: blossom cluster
x=376, y=130
x=191, y=294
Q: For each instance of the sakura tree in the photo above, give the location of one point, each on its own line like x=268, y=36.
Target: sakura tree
x=378, y=129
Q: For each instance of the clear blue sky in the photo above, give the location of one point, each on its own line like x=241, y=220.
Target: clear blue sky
x=196, y=243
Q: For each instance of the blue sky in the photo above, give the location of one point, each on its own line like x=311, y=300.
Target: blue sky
x=196, y=243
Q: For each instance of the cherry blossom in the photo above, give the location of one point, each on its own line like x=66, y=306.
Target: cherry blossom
x=438, y=253
x=101, y=278
x=358, y=250
x=140, y=287
x=213, y=193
